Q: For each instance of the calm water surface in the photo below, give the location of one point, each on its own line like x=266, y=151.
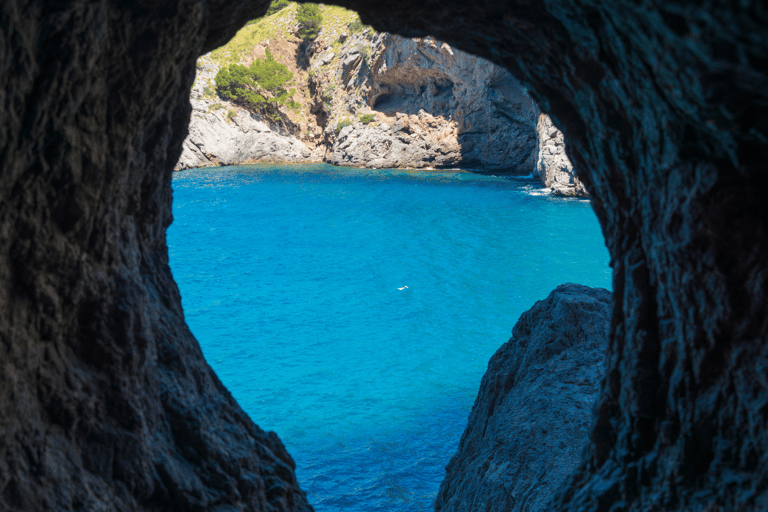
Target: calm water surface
x=354, y=311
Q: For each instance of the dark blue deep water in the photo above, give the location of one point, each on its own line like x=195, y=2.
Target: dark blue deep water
x=291, y=280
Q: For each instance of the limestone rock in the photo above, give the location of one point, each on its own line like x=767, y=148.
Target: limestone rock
x=489, y=115
x=553, y=167
x=216, y=140
x=531, y=418
x=458, y=111
x=404, y=144
x=221, y=133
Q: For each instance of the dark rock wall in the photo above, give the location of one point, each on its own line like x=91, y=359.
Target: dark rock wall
x=531, y=418
x=104, y=395
x=663, y=105
x=106, y=402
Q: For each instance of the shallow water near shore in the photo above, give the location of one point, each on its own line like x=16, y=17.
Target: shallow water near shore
x=354, y=311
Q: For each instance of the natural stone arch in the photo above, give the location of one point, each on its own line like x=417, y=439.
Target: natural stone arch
x=105, y=399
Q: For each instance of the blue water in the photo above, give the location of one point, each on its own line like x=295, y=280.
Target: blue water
x=291, y=280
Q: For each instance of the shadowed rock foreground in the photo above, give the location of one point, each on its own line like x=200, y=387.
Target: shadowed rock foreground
x=531, y=418
x=105, y=399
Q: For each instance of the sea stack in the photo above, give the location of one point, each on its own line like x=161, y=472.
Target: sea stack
x=533, y=413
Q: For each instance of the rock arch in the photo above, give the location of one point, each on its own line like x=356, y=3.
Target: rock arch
x=105, y=399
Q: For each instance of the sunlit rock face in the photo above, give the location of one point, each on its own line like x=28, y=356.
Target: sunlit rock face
x=437, y=107
x=553, y=167
x=105, y=397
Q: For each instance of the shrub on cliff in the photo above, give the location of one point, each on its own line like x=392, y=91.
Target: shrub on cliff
x=277, y=5
x=260, y=87
x=342, y=124
x=310, y=19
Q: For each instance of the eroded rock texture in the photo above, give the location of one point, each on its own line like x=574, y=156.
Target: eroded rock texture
x=552, y=166
x=104, y=395
x=106, y=402
x=531, y=418
x=437, y=106
x=663, y=105
x=218, y=137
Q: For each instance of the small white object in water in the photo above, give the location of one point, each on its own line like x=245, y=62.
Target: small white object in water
x=403, y=288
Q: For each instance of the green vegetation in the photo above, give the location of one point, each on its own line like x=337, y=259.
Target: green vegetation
x=215, y=107
x=342, y=124
x=327, y=95
x=276, y=6
x=278, y=25
x=255, y=32
x=310, y=18
x=367, y=118
x=231, y=115
x=260, y=87
x=236, y=82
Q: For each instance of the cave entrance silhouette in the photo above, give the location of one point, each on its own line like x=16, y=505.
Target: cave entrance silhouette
x=106, y=400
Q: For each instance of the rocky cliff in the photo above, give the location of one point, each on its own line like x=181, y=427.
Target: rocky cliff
x=376, y=100
x=433, y=106
x=222, y=134
x=553, y=167
x=531, y=418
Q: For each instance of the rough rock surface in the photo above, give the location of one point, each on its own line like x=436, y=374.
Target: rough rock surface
x=553, y=167
x=106, y=402
x=531, y=418
x=436, y=106
x=410, y=141
x=104, y=395
x=217, y=137
x=432, y=106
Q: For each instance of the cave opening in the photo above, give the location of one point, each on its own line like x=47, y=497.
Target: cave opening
x=353, y=311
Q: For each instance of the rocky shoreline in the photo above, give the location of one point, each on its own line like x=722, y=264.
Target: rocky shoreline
x=377, y=100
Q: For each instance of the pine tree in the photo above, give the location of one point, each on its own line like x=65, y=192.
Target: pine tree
x=260, y=87
x=310, y=19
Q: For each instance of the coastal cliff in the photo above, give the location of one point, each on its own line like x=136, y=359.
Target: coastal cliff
x=228, y=136
x=532, y=415
x=553, y=167
x=432, y=106
x=374, y=99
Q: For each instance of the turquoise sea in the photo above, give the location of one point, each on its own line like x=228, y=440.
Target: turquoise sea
x=354, y=311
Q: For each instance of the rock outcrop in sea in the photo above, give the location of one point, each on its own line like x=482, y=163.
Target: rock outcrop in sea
x=382, y=101
x=531, y=419
x=552, y=166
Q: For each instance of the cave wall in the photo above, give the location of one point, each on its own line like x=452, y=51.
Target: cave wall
x=106, y=402
x=105, y=399
x=663, y=105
